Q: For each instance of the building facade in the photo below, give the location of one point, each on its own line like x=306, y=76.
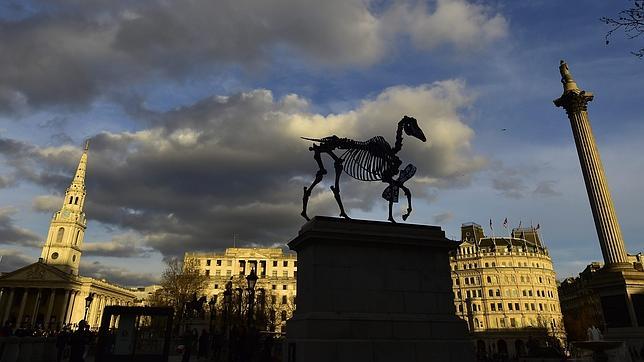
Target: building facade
x=51, y=293
x=275, y=269
x=506, y=290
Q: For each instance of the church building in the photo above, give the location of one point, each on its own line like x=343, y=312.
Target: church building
x=50, y=293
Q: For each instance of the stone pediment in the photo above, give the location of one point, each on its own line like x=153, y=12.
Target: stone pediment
x=36, y=272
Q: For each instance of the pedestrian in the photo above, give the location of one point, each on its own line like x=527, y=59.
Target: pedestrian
x=204, y=341
x=61, y=343
x=79, y=341
x=188, y=341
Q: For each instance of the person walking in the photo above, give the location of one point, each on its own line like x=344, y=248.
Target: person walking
x=79, y=341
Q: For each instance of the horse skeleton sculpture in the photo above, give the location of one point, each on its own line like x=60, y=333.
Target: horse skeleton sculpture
x=370, y=160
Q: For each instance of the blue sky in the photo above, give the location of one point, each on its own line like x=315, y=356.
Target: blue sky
x=194, y=113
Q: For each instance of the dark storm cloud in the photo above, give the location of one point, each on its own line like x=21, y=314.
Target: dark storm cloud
x=13, y=259
x=236, y=165
x=64, y=52
x=13, y=234
x=121, y=246
x=120, y=276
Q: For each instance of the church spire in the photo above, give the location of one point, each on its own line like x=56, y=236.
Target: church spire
x=64, y=242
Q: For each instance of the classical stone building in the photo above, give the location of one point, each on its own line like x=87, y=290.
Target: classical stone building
x=275, y=269
x=505, y=288
x=50, y=292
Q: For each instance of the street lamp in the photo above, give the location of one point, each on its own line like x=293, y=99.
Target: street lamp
x=211, y=304
x=88, y=303
x=252, y=280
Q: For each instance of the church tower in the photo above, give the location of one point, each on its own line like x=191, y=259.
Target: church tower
x=64, y=242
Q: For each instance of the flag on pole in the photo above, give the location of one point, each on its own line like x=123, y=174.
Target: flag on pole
x=505, y=223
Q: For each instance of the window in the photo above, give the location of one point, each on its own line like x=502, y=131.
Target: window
x=216, y=286
x=76, y=201
x=218, y=262
x=295, y=263
x=487, y=265
x=458, y=295
x=540, y=307
x=229, y=262
x=73, y=257
x=54, y=255
x=275, y=263
x=228, y=273
x=77, y=237
x=207, y=273
x=524, y=293
x=71, y=199
x=284, y=287
x=530, y=292
x=274, y=273
x=284, y=299
x=274, y=287
x=273, y=299
x=513, y=322
x=516, y=306
x=285, y=273
x=478, y=292
x=208, y=262
x=531, y=306
x=510, y=306
x=467, y=281
x=469, y=295
x=217, y=272
x=493, y=307
x=499, y=306
x=457, y=281
x=526, y=306
x=460, y=308
x=283, y=315
x=498, y=292
x=489, y=280
x=285, y=263
x=490, y=292
x=493, y=264
x=60, y=234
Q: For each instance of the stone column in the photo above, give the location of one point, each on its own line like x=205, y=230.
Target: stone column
x=50, y=307
x=7, y=308
x=34, y=313
x=21, y=311
x=63, y=307
x=70, y=310
x=609, y=233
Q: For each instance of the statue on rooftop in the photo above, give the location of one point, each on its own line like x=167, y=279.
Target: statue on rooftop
x=370, y=160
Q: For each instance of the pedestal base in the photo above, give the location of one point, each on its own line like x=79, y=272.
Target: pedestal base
x=374, y=291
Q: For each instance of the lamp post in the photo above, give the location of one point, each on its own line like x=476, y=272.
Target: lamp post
x=211, y=305
x=228, y=297
x=252, y=280
x=88, y=303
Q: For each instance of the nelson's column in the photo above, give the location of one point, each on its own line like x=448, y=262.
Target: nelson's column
x=575, y=101
x=617, y=288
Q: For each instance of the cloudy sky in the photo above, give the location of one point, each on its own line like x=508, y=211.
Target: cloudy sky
x=195, y=108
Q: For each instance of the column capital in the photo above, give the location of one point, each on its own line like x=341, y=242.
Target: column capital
x=574, y=101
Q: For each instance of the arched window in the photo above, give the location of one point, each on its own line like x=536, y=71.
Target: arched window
x=71, y=199
x=76, y=201
x=59, y=236
x=77, y=237
x=487, y=265
x=489, y=280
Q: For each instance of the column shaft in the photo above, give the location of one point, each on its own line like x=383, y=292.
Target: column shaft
x=34, y=313
x=50, y=308
x=21, y=311
x=7, y=309
x=601, y=204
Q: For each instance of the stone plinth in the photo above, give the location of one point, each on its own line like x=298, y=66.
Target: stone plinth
x=374, y=291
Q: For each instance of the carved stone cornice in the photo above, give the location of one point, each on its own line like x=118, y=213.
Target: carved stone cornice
x=574, y=101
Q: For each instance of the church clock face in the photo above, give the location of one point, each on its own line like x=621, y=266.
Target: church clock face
x=66, y=214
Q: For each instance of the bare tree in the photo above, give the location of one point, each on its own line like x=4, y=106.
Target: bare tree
x=179, y=282
x=631, y=21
